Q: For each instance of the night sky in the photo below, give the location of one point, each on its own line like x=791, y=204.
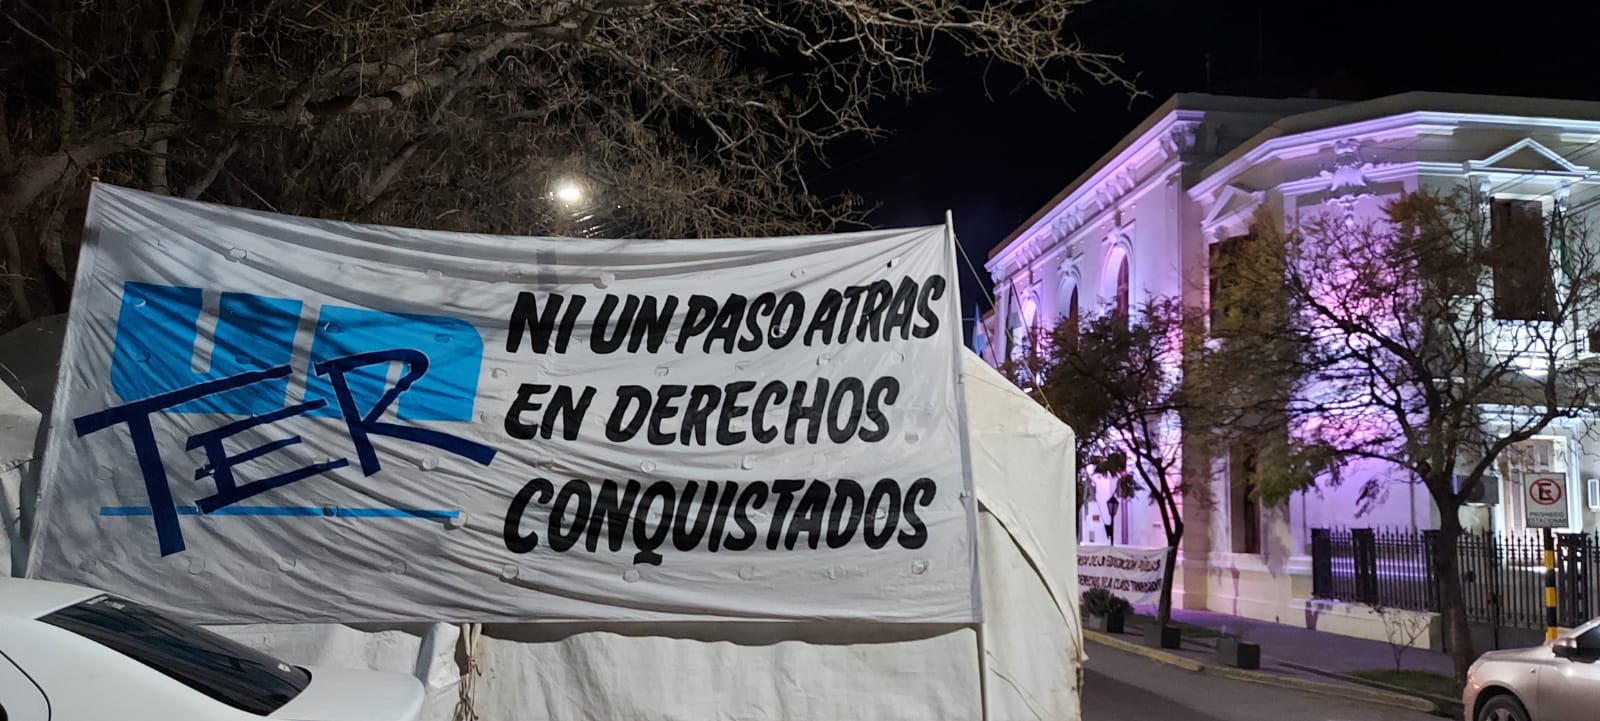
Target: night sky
x=994, y=151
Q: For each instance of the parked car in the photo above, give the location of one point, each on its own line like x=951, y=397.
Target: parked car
x=69, y=653
x=1559, y=681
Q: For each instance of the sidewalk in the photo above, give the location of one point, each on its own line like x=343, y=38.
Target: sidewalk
x=1328, y=652
x=1292, y=657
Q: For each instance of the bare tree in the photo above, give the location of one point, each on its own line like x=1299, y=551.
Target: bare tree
x=1430, y=342
x=1402, y=628
x=1119, y=381
x=695, y=117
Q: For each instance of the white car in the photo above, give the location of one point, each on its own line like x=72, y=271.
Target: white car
x=1558, y=681
x=69, y=653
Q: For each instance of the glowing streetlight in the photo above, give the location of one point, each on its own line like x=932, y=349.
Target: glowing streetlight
x=569, y=192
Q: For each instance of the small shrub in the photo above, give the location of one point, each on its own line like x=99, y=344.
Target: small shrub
x=1100, y=602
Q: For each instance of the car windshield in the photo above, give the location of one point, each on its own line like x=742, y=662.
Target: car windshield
x=223, y=669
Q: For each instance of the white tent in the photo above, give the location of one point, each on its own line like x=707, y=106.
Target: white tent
x=1023, y=662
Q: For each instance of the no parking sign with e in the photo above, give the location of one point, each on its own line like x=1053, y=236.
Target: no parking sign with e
x=1545, y=505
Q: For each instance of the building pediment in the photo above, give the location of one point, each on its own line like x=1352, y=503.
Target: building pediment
x=1230, y=214
x=1528, y=156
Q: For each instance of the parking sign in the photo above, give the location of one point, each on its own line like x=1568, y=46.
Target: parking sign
x=1545, y=505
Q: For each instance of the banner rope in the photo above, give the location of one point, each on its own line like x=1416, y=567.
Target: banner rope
x=466, y=705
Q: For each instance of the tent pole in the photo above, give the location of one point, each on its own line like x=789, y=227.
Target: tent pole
x=966, y=463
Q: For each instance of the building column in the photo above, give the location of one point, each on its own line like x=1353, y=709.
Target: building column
x=1195, y=551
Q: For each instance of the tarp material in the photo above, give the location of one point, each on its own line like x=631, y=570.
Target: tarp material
x=30, y=358
x=19, y=428
x=252, y=424
x=1023, y=663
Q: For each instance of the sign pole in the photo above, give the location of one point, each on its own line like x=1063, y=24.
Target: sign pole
x=1549, y=585
x=1545, y=508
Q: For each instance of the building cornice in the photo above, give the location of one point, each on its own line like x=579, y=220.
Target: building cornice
x=1114, y=178
x=1114, y=217
x=1274, y=143
x=1282, y=147
x=1390, y=172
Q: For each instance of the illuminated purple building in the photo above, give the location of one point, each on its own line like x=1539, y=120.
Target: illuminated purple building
x=1147, y=217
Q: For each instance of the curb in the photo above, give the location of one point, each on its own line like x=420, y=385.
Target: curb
x=1449, y=708
x=1362, y=693
x=1157, y=655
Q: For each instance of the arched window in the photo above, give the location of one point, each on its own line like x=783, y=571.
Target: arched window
x=1025, y=336
x=1120, y=302
x=1070, y=315
x=1115, y=287
x=1019, y=326
x=1067, y=295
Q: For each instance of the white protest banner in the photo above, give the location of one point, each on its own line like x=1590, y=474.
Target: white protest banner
x=271, y=418
x=1132, y=573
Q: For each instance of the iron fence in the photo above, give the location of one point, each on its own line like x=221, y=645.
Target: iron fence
x=1502, y=575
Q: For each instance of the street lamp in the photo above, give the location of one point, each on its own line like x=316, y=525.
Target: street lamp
x=569, y=192
x=1111, y=507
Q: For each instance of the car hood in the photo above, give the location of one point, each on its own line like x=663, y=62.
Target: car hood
x=339, y=694
x=1515, y=655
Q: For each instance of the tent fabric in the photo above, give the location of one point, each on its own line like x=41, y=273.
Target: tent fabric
x=19, y=428
x=1022, y=460
x=1022, y=663
x=30, y=357
x=732, y=671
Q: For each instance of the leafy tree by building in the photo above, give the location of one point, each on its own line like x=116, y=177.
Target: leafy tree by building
x=1425, y=345
x=1118, y=382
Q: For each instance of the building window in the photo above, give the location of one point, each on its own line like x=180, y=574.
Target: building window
x=1030, y=315
x=1119, y=306
x=1519, y=257
x=1244, y=508
x=1017, y=331
x=1070, y=317
x=1224, y=273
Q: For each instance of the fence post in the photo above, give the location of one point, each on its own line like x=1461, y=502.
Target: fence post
x=1572, y=583
x=1366, y=561
x=1430, y=567
x=1321, y=563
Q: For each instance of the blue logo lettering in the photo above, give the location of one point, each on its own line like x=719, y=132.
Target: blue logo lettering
x=353, y=352
x=156, y=333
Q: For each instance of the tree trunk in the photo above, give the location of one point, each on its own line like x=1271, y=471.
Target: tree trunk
x=1168, y=573
x=171, y=73
x=1172, y=523
x=32, y=177
x=1452, y=601
x=15, y=276
x=66, y=95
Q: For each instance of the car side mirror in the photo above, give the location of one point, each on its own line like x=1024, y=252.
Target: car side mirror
x=1569, y=648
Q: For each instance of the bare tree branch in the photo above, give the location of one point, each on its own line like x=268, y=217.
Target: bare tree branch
x=205, y=180
x=171, y=72
x=460, y=114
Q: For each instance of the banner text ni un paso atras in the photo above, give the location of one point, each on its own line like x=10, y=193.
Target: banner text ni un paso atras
x=270, y=418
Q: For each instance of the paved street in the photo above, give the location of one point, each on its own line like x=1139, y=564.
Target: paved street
x=1119, y=686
